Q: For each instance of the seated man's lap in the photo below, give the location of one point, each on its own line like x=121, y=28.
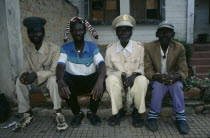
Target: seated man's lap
x=80, y=85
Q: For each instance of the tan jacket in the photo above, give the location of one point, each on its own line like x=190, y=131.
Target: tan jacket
x=116, y=62
x=43, y=62
x=176, y=59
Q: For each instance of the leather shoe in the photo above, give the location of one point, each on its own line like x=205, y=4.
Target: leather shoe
x=183, y=127
x=152, y=124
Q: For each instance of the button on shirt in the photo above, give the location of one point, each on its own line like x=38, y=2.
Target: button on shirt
x=80, y=65
x=163, y=61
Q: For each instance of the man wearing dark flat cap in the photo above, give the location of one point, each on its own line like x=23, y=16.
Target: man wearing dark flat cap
x=165, y=66
x=125, y=69
x=40, y=60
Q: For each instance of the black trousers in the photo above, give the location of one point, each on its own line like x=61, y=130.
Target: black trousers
x=81, y=85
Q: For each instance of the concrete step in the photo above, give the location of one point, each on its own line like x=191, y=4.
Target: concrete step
x=202, y=48
x=200, y=61
x=201, y=54
x=199, y=44
x=202, y=75
x=38, y=99
x=190, y=109
x=202, y=68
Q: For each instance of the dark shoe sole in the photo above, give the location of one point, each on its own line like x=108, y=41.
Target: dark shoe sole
x=138, y=125
x=147, y=126
x=98, y=123
x=77, y=125
x=118, y=123
x=180, y=131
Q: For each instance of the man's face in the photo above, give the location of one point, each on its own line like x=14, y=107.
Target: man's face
x=78, y=32
x=165, y=35
x=124, y=33
x=36, y=36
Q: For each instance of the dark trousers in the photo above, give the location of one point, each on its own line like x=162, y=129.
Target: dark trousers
x=81, y=85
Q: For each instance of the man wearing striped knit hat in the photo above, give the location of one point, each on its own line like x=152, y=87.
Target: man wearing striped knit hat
x=165, y=66
x=81, y=70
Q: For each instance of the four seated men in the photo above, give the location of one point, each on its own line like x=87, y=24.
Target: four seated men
x=81, y=70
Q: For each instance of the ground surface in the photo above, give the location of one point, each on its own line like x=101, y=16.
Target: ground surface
x=44, y=126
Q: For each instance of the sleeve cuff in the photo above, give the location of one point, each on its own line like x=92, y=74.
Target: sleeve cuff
x=100, y=62
x=62, y=63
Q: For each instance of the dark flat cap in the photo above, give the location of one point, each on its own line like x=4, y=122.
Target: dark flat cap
x=35, y=23
x=166, y=24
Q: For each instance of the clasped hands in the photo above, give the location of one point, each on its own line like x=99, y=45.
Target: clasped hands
x=28, y=78
x=129, y=81
x=167, y=79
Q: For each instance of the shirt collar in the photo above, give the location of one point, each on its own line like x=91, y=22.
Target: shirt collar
x=86, y=47
x=43, y=49
x=128, y=47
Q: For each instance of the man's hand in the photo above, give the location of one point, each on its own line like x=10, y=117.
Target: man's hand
x=159, y=77
x=123, y=77
x=63, y=90
x=169, y=79
x=97, y=91
x=129, y=81
x=172, y=78
x=28, y=78
x=23, y=78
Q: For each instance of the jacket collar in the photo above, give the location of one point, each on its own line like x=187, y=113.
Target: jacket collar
x=128, y=47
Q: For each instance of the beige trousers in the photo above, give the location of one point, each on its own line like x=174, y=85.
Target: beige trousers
x=23, y=94
x=114, y=87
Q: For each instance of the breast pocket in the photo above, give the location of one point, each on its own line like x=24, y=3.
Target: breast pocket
x=134, y=63
x=116, y=62
x=46, y=65
x=135, y=60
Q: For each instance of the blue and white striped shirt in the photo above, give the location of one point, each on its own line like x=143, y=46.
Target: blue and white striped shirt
x=80, y=65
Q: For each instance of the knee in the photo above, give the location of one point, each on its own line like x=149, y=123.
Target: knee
x=18, y=82
x=112, y=79
x=157, y=85
x=52, y=80
x=178, y=85
x=141, y=80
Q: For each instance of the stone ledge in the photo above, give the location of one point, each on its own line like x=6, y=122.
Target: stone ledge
x=191, y=106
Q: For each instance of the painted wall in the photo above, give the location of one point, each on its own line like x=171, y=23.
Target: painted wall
x=11, y=47
x=56, y=12
x=201, y=18
x=13, y=12
x=175, y=11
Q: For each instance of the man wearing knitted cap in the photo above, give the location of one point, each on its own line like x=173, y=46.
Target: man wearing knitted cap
x=165, y=66
x=40, y=60
x=81, y=70
x=125, y=69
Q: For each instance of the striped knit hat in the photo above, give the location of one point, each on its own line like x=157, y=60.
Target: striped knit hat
x=85, y=22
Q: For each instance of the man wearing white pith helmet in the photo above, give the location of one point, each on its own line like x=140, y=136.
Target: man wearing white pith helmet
x=125, y=69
